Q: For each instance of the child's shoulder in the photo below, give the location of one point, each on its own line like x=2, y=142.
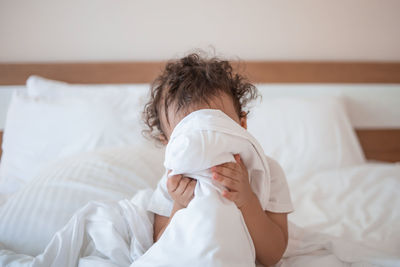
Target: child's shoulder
x=274, y=167
x=279, y=199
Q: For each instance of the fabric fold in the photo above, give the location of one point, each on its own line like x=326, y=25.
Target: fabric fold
x=211, y=230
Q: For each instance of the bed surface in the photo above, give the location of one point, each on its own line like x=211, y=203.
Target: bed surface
x=343, y=215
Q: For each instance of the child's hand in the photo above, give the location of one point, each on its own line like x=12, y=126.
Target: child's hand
x=181, y=189
x=235, y=178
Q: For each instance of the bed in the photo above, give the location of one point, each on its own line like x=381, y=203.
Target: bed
x=333, y=126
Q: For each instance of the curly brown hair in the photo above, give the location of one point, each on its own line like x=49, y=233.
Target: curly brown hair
x=194, y=79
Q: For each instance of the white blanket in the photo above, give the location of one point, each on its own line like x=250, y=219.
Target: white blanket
x=100, y=234
x=346, y=217
x=211, y=230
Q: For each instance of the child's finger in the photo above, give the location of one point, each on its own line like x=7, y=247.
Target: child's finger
x=232, y=196
x=227, y=172
x=217, y=174
x=227, y=182
x=182, y=185
x=187, y=185
x=241, y=164
x=229, y=165
x=173, y=182
x=239, y=161
x=188, y=193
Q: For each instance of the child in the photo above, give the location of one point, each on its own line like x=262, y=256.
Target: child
x=193, y=83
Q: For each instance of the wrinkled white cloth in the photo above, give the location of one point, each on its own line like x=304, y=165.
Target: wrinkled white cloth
x=211, y=230
x=346, y=217
x=105, y=234
x=311, y=248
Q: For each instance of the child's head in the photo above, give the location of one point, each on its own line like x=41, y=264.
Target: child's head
x=192, y=83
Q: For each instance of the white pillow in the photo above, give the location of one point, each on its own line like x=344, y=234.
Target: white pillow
x=53, y=125
x=306, y=135
x=31, y=216
x=45, y=88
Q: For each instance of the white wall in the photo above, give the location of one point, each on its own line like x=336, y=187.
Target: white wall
x=96, y=30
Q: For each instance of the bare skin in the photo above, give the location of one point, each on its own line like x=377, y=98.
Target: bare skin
x=181, y=191
x=269, y=231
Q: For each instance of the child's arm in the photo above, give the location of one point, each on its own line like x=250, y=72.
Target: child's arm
x=268, y=230
x=181, y=190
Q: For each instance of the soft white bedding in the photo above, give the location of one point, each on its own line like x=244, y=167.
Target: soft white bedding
x=107, y=234
x=62, y=126
x=30, y=217
x=209, y=232
x=346, y=216
x=346, y=212
x=306, y=134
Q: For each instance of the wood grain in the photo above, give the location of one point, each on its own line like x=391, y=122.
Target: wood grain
x=382, y=144
x=258, y=72
x=85, y=73
x=1, y=142
x=323, y=72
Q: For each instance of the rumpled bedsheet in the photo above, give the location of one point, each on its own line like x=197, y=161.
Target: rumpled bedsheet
x=209, y=232
x=100, y=234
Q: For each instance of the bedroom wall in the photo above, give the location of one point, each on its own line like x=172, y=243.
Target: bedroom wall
x=98, y=30
x=115, y=30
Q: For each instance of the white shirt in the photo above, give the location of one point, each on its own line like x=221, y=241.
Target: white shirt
x=279, y=200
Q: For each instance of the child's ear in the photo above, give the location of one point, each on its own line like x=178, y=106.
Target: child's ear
x=163, y=139
x=243, y=120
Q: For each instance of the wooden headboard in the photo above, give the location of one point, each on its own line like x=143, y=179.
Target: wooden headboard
x=378, y=144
